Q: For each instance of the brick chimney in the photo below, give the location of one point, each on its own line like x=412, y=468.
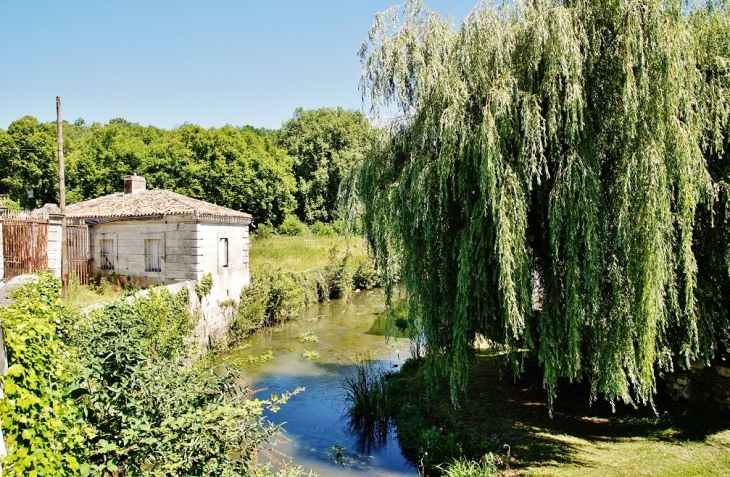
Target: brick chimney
x=134, y=184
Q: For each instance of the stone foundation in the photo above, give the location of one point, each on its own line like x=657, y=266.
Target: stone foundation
x=709, y=385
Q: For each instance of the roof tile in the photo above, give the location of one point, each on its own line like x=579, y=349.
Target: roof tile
x=148, y=203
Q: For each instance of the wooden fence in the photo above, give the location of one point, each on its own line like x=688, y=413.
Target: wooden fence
x=25, y=243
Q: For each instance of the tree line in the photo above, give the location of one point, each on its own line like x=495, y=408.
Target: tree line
x=268, y=173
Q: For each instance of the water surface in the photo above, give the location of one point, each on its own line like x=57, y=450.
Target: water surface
x=315, y=421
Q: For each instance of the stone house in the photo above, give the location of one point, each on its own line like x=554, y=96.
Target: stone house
x=158, y=237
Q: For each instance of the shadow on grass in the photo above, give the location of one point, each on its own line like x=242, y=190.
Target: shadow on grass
x=512, y=419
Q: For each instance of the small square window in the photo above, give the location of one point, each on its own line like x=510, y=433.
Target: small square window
x=106, y=254
x=152, y=259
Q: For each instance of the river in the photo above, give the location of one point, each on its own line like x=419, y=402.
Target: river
x=316, y=424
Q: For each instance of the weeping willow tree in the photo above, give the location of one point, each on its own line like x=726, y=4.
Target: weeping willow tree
x=578, y=147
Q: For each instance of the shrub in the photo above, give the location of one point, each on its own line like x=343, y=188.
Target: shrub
x=292, y=227
x=166, y=321
x=41, y=422
x=263, y=231
x=11, y=205
x=364, y=276
x=315, y=285
x=323, y=230
x=469, y=468
x=272, y=297
x=340, y=274
x=340, y=227
x=152, y=416
x=204, y=286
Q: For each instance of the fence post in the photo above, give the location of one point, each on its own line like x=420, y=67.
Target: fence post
x=55, y=240
x=2, y=248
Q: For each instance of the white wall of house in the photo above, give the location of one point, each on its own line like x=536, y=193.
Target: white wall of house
x=222, y=252
x=178, y=245
x=190, y=248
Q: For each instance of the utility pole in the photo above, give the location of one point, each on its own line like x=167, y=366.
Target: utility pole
x=62, y=200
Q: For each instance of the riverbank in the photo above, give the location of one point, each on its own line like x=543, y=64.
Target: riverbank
x=289, y=274
x=511, y=420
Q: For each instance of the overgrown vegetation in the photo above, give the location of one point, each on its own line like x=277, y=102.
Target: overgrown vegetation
x=107, y=393
x=292, y=227
x=96, y=292
x=204, y=286
x=41, y=422
x=577, y=150
x=277, y=295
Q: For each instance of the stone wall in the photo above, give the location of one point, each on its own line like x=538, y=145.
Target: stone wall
x=701, y=384
x=230, y=277
x=178, y=239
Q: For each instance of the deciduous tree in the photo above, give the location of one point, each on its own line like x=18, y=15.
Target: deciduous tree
x=573, y=148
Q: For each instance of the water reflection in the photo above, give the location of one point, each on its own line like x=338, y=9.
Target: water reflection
x=322, y=435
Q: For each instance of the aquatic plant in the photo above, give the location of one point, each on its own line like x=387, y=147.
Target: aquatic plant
x=370, y=401
x=308, y=337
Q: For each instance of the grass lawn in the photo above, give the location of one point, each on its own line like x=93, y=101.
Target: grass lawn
x=580, y=439
x=297, y=254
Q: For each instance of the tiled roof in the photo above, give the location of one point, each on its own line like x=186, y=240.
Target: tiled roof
x=148, y=203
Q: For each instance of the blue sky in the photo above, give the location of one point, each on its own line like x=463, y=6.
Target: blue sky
x=169, y=62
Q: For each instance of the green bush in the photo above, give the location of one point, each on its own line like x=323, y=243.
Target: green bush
x=339, y=274
x=11, y=205
x=340, y=227
x=292, y=227
x=272, y=297
x=41, y=422
x=315, y=285
x=204, y=286
x=364, y=276
x=150, y=414
x=167, y=321
x=323, y=230
x=263, y=231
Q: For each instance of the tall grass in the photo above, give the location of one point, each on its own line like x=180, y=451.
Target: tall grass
x=469, y=468
x=370, y=400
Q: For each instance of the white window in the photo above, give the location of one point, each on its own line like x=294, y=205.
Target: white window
x=223, y=252
x=106, y=254
x=152, y=260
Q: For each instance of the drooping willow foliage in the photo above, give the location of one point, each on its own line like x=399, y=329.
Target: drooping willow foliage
x=575, y=149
